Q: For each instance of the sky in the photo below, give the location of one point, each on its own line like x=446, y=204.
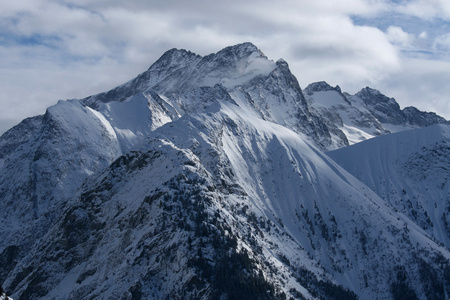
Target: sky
x=55, y=49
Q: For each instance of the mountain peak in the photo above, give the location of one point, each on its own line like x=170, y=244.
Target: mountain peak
x=321, y=86
x=234, y=58
x=372, y=96
x=369, y=91
x=282, y=62
x=230, y=67
x=240, y=51
x=385, y=109
x=422, y=118
x=182, y=70
x=173, y=57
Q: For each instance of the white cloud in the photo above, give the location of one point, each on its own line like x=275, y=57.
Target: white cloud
x=442, y=43
x=421, y=83
x=52, y=50
x=397, y=36
x=427, y=9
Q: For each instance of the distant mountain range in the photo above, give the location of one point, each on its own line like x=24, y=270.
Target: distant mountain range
x=218, y=177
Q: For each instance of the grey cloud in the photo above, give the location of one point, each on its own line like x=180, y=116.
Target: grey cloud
x=421, y=83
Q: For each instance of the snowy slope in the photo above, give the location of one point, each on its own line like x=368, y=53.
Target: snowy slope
x=41, y=171
x=132, y=120
x=410, y=170
x=223, y=185
x=45, y=159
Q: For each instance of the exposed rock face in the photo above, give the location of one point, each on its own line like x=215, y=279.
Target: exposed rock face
x=421, y=118
x=385, y=109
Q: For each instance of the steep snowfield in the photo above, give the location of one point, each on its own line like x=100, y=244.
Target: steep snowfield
x=222, y=174
x=132, y=120
x=278, y=98
x=353, y=229
x=410, y=170
x=68, y=135
x=62, y=149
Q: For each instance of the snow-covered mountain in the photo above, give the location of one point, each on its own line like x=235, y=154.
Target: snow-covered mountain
x=366, y=114
x=181, y=82
x=43, y=161
x=205, y=178
x=410, y=170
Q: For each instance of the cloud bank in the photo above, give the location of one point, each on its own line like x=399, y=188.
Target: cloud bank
x=52, y=50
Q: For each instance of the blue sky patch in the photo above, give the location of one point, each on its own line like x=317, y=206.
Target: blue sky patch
x=425, y=34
